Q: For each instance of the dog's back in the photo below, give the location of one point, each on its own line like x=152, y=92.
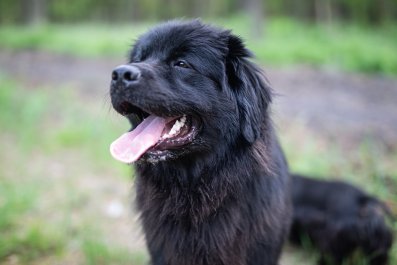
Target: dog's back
x=339, y=218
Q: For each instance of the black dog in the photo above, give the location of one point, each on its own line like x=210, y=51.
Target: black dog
x=212, y=182
x=339, y=219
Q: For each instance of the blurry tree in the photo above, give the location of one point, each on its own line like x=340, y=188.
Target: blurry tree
x=196, y=8
x=256, y=12
x=37, y=11
x=323, y=11
x=8, y=11
x=34, y=11
x=62, y=10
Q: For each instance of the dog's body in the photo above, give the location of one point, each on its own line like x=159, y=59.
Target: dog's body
x=217, y=193
x=339, y=219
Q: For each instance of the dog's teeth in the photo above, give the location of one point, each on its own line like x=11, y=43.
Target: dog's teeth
x=176, y=127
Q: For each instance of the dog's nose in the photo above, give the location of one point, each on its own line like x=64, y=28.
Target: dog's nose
x=127, y=73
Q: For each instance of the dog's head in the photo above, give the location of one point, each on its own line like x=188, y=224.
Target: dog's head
x=187, y=88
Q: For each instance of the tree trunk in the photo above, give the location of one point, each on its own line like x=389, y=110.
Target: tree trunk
x=323, y=11
x=257, y=16
x=34, y=11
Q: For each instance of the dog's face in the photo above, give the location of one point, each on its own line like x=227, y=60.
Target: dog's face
x=185, y=90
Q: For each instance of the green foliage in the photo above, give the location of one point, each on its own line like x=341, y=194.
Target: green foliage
x=343, y=46
x=97, y=252
x=347, y=46
x=21, y=114
x=82, y=40
x=8, y=11
x=20, y=238
x=50, y=121
x=27, y=115
x=14, y=202
x=65, y=10
x=357, y=11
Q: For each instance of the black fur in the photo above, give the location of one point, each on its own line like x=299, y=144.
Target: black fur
x=339, y=219
x=223, y=199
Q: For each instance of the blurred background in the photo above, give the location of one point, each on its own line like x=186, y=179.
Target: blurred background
x=64, y=200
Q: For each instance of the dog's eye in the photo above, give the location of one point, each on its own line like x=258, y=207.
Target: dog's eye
x=182, y=64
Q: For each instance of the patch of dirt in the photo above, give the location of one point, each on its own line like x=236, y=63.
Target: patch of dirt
x=345, y=107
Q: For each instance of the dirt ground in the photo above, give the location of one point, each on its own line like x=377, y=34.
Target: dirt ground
x=344, y=107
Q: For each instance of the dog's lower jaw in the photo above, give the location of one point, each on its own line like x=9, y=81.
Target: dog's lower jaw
x=154, y=157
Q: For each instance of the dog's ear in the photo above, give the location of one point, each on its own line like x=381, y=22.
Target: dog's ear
x=250, y=87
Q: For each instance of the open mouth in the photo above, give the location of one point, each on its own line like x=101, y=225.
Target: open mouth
x=154, y=135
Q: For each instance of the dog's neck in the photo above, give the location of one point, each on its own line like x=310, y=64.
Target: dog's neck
x=193, y=189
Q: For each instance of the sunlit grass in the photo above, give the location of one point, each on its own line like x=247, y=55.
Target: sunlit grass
x=98, y=252
x=36, y=127
x=367, y=166
x=55, y=119
x=80, y=40
x=284, y=42
x=346, y=46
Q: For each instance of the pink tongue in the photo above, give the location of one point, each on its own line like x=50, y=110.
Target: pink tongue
x=132, y=145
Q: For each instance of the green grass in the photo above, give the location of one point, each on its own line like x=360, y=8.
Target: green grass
x=19, y=236
x=45, y=124
x=285, y=42
x=97, y=252
x=23, y=237
x=346, y=46
x=80, y=40
x=368, y=166
x=14, y=204
x=56, y=119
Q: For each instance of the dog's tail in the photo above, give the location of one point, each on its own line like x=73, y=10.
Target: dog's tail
x=374, y=236
x=371, y=205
